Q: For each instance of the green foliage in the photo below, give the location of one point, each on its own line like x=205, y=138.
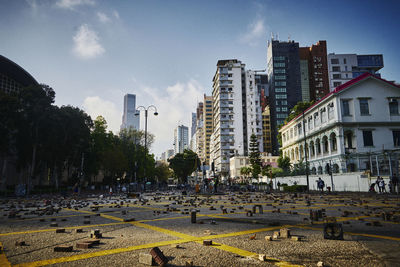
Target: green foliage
x=298, y=109
x=294, y=188
x=163, y=172
x=284, y=163
x=183, y=164
x=255, y=159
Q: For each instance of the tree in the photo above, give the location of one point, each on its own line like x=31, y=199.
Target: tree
x=183, y=164
x=245, y=171
x=163, y=172
x=298, y=109
x=255, y=159
x=284, y=163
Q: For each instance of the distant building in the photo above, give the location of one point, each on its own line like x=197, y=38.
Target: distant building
x=130, y=117
x=356, y=127
x=13, y=77
x=167, y=155
x=344, y=67
x=283, y=66
x=181, y=139
x=267, y=133
x=238, y=162
x=314, y=71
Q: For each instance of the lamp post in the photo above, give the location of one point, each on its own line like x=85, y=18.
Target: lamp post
x=145, y=134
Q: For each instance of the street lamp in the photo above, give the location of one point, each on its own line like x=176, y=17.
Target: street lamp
x=145, y=133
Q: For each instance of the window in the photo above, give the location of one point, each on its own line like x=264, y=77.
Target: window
x=344, y=61
x=367, y=136
x=336, y=69
x=280, y=71
x=334, y=60
x=336, y=84
x=279, y=65
x=396, y=137
x=280, y=83
x=394, y=107
x=281, y=116
x=280, y=90
x=280, y=96
x=280, y=77
x=337, y=76
x=364, y=108
x=279, y=58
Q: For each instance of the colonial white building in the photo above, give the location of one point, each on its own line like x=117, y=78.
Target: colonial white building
x=356, y=127
x=237, y=162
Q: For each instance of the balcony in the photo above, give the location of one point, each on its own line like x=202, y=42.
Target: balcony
x=349, y=150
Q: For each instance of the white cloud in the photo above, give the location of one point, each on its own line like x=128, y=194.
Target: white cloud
x=116, y=14
x=255, y=32
x=86, y=43
x=95, y=106
x=71, y=4
x=103, y=17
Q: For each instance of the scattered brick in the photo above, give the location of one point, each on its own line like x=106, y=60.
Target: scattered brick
x=84, y=245
x=80, y=230
x=207, y=242
x=20, y=243
x=268, y=238
x=296, y=238
x=61, y=230
x=189, y=263
x=129, y=220
x=53, y=224
x=262, y=257
x=284, y=233
x=86, y=222
x=158, y=256
x=146, y=258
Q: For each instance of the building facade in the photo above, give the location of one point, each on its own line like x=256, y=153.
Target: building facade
x=267, y=134
x=314, y=71
x=356, y=127
x=130, y=118
x=181, y=139
x=238, y=162
x=283, y=67
x=344, y=67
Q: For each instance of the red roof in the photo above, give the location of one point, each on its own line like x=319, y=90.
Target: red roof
x=340, y=88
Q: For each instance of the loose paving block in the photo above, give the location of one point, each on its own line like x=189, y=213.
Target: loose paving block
x=262, y=257
x=20, y=243
x=193, y=217
x=320, y=264
x=189, y=263
x=207, y=242
x=53, y=224
x=129, y=220
x=63, y=248
x=284, y=233
x=158, y=256
x=84, y=245
x=296, y=238
x=207, y=232
x=146, y=258
x=80, y=230
x=333, y=231
x=268, y=238
x=175, y=246
x=61, y=230
x=86, y=222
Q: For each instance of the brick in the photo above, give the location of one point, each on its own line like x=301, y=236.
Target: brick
x=296, y=238
x=284, y=233
x=63, y=248
x=268, y=238
x=207, y=242
x=84, y=245
x=53, y=224
x=86, y=222
x=158, y=256
x=320, y=264
x=262, y=257
x=20, y=243
x=61, y=230
x=129, y=220
x=189, y=263
x=80, y=230
x=207, y=232
x=175, y=246
x=146, y=258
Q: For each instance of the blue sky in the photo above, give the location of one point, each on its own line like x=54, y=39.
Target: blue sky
x=92, y=52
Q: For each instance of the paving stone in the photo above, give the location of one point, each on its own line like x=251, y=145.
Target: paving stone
x=158, y=256
x=284, y=233
x=53, y=224
x=262, y=257
x=146, y=258
x=20, y=243
x=296, y=238
x=80, y=230
x=207, y=242
x=86, y=222
x=61, y=230
x=268, y=238
x=129, y=220
x=84, y=245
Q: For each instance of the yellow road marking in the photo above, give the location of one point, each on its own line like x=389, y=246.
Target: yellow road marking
x=351, y=233
x=52, y=229
x=3, y=259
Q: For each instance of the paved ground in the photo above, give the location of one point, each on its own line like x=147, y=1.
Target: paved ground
x=163, y=220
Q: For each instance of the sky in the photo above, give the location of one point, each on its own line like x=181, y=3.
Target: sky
x=93, y=52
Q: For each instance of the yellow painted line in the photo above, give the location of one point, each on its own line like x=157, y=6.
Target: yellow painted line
x=3, y=259
x=163, y=219
x=243, y=232
x=53, y=229
x=81, y=211
x=100, y=253
x=111, y=217
x=350, y=233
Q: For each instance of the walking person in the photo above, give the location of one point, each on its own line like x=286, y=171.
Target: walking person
x=377, y=183
x=395, y=183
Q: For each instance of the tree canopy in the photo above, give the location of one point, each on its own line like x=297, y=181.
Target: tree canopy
x=183, y=164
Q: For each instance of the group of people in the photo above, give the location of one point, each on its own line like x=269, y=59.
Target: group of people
x=380, y=183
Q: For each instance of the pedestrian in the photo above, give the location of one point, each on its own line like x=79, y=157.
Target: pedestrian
x=279, y=186
x=320, y=184
x=377, y=182
x=395, y=184
x=382, y=185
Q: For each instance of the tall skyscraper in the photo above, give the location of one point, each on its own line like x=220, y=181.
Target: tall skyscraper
x=284, y=83
x=181, y=138
x=344, y=67
x=129, y=118
x=267, y=138
x=314, y=71
x=236, y=113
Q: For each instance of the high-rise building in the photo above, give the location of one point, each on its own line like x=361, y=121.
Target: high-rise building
x=194, y=124
x=284, y=83
x=236, y=113
x=207, y=126
x=267, y=137
x=130, y=119
x=314, y=71
x=13, y=77
x=344, y=67
x=181, y=138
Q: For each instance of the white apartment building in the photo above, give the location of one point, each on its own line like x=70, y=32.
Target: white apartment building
x=181, y=139
x=236, y=113
x=356, y=127
x=344, y=67
x=237, y=162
